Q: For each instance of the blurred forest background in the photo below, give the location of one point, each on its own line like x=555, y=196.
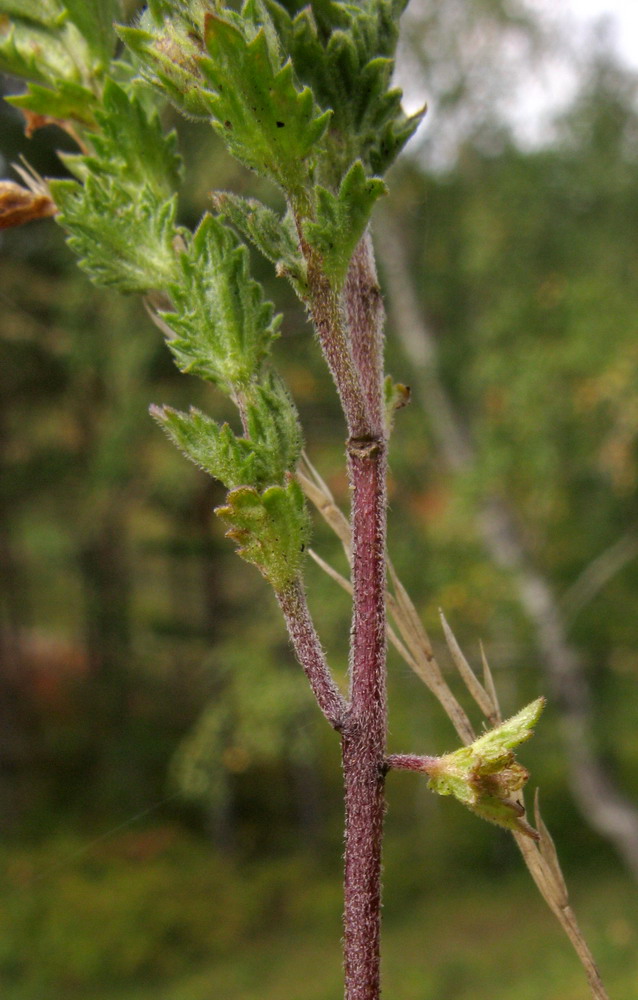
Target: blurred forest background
x=170, y=813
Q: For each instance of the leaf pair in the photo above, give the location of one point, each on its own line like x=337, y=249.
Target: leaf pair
x=339, y=223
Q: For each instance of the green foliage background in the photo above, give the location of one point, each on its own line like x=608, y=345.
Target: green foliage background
x=146, y=679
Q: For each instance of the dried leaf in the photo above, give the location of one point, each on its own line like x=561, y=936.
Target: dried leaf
x=470, y=679
x=19, y=205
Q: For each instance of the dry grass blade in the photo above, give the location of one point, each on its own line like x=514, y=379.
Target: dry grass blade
x=333, y=573
x=490, y=687
x=549, y=853
x=471, y=681
x=553, y=894
x=416, y=638
x=347, y=586
x=318, y=492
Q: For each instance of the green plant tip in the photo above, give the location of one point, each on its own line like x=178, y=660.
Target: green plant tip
x=486, y=777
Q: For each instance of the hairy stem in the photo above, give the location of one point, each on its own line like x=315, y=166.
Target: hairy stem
x=364, y=733
x=364, y=309
x=292, y=601
x=409, y=762
x=329, y=318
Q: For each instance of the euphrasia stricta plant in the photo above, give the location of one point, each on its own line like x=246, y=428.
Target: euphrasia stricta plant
x=304, y=98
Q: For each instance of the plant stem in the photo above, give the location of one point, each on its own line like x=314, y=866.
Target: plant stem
x=349, y=328
x=409, y=762
x=328, y=320
x=292, y=601
x=365, y=313
x=326, y=308
x=364, y=733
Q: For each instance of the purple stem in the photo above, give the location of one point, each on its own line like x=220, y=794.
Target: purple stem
x=328, y=315
x=349, y=327
x=292, y=601
x=364, y=308
x=409, y=762
x=364, y=733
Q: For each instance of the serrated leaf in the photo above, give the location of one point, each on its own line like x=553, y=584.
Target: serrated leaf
x=67, y=101
x=223, y=325
x=214, y=449
x=66, y=47
x=130, y=149
x=35, y=53
x=122, y=241
x=341, y=220
x=261, y=460
x=266, y=122
x=272, y=423
x=345, y=52
x=168, y=53
x=131, y=145
x=121, y=219
x=273, y=235
x=271, y=529
x=390, y=140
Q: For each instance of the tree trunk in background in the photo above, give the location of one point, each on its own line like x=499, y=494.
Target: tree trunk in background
x=603, y=807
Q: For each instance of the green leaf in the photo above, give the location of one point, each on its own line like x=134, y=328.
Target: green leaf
x=485, y=776
x=263, y=459
x=509, y=734
x=214, y=449
x=94, y=20
x=48, y=13
x=341, y=219
x=168, y=55
x=131, y=145
x=273, y=425
x=121, y=220
x=67, y=47
x=67, y=101
x=122, y=241
x=223, y=325
x=265, y=121
x=271, y=529
x=274, y=236
x=36, y=53
x=345, y=52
